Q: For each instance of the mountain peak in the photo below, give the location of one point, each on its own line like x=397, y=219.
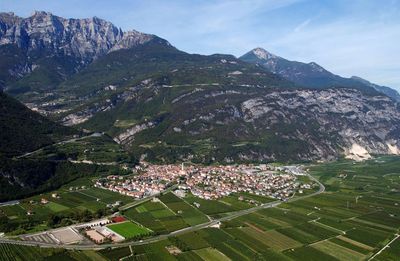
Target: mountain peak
x=262, y=53
x=9, y=14
x=41, y=13
x=316, y=67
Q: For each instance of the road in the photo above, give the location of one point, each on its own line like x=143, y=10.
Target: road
x=9, y=203
x=386, y=246
x=59, y=143
x=230, y=216
x=140, y=201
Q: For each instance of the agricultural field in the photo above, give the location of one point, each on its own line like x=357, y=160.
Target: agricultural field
x=10, y=252
x=190, y=214
x=156, y=216
x=211, y=254
x=153, y=251
x=129, y=229
x=390, y=253
x=116, y=253
x=168, y=213
x=225, y=204
x=75, y=197
x=355, y=218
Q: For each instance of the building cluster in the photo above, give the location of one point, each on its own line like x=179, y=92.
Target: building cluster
x=216, y=182
x=98, y=232
x=206, y=182
x=155, y=179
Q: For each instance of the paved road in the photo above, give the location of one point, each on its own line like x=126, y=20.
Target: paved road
x=140, y=201
x=386, y=246
x=230, y=216
x=9, y=203
x=59, y=143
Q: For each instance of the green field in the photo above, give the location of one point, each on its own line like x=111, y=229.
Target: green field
x=211, y=254
x=129, y=230
x=10, y=252
x=338, y=251
x=226, y=204
x=390, y=253
x=190, y=214
x=67, y=204
x=353, y=219
x=55, y=207
x=116, y=253
x=156, y=216
x=170, y=214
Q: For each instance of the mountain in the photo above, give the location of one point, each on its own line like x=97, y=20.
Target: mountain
x=42, y=50
x=225, y=123
x=165, y=105
x=311, y=74
x=22, y=130
x=382, y=89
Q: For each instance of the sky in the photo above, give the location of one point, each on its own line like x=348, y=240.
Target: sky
x=347, y=37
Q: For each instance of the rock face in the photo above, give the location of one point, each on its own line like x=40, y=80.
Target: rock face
x=311, y=74
x=86, y=39
x=56, y=48
x=246, y=123
x=345, y=120
x=170, y=105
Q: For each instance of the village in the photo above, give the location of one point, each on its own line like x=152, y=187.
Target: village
x=208, y=182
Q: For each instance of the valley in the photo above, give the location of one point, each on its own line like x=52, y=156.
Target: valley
x=351, y=217
x=117, y=145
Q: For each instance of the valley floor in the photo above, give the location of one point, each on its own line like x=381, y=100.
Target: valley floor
x=355, y=218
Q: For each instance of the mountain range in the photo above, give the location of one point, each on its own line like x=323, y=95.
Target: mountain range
x=166, y=105
x=310, y=74
x=44, y=49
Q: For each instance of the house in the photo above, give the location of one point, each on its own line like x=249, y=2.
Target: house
x=118, y=219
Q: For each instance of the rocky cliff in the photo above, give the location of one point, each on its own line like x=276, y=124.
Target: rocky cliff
x=56, y=47
x=86, y=39
x=168, y=105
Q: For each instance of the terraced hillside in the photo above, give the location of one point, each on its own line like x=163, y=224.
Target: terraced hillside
x=167, y=105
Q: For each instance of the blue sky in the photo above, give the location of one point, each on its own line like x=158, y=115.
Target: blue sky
x=347, y=37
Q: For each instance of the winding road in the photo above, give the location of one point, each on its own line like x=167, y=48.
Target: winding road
x=230, y=216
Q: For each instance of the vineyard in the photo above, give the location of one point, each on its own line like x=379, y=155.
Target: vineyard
x=10, y=252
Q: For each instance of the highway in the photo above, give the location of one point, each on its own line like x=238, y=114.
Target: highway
x=153, y=239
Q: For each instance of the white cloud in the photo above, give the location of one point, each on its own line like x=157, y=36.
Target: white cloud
x=302, y=25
